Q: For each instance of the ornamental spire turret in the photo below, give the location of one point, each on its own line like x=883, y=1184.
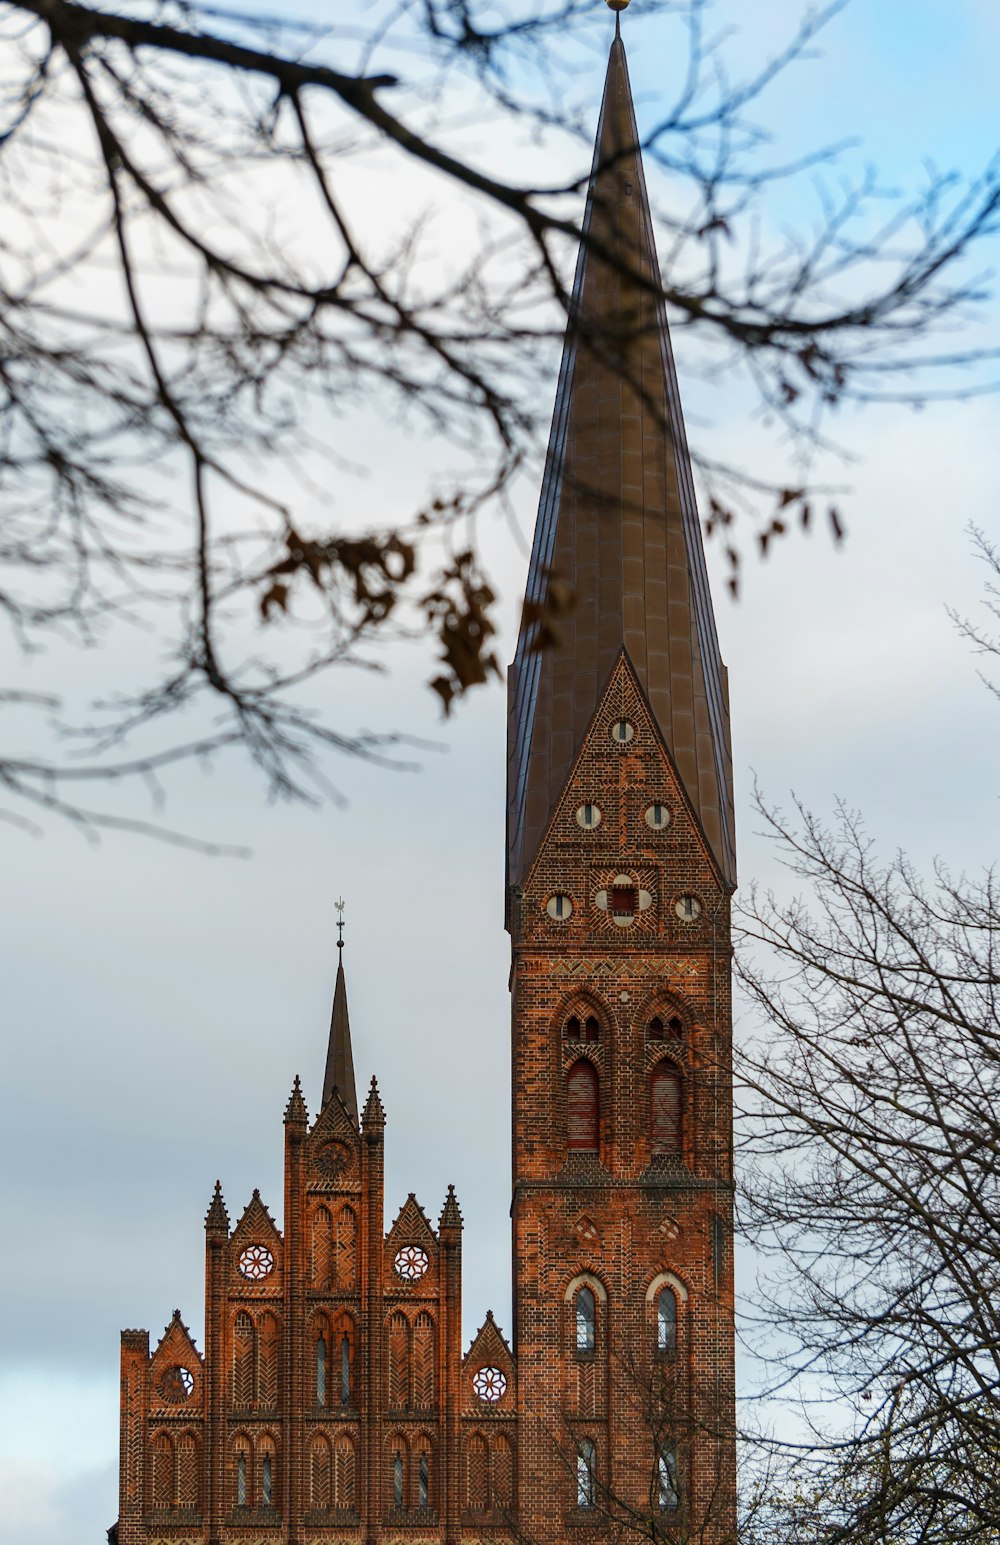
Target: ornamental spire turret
x=617, y=526
x=339, y=1076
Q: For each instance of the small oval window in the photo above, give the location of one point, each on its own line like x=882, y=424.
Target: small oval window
x=622, y=732
x=688, y=909
x=657, y=817
x=588, y=816
x=560, y=907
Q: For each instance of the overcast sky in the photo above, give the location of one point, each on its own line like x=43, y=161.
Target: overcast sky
x=156, y=1004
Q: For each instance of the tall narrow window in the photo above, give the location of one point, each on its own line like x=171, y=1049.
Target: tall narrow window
x=267, y=1363
x=668, y=1486
x=266, y=1479
x=163, y=1471
x=503, y=1474
x=666, y=1320
x=320, y=1474
x=665, y=1108
x=399, y=1362
x=345, y=1370
x=322, y=1248
x=347, y=1247
x=423, y=1363
x=478, y=1474
x=423, y=1481
x=585, y=1465
x=582, y=1108
x=344, y=1479
x=586, y=1313
x=241, y=1480
x=397, y=1479
x=321, y=1369
x=187, y=1471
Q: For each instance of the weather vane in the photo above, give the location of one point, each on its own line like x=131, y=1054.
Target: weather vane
x=339, y=905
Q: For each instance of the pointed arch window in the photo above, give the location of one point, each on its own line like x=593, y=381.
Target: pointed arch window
x=586, y=1464
x=663, y=1028
x=586, y=1320
x=322, y=1248
x=424, y=1480
x=242, y=1472
x=398, y=1478
x=320, y=1467
x=665, y=1108
x=583, y=1108
x=667, y=1478
x=163, y=1471
x=582, y=1029
x=267, y=1363
x=266, y=1480
x=666, y=1321
x=345, y=1370
x=321, y=1367
x=347, y=1247
x=478, y=1474
x=423, y=1363
x=503, y=1473
x=399, y=1362
x=187, y=1471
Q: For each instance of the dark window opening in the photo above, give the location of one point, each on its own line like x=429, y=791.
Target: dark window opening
x=571, y=1029
x=654, y=1029
x=623, y=901
x=665, y=1109
x=582, y=1108
x=266, y=1481
x=397, y=1480
x=586, y=1318
x=345, y=1371
x=321, y=1371
x=423, y=1481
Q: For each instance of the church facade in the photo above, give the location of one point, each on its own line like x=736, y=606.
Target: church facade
x=333, y=1400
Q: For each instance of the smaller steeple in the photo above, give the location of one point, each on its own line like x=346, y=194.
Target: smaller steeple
x=451, y=1213
x=339, y=1077
x=217, y=1218
x=295, y=1110
x=374, y=1114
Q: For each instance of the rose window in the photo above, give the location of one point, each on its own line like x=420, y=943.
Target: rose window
x=411, y=1262
x=490, y=1384
x=256, y=1263
x=177, y=1384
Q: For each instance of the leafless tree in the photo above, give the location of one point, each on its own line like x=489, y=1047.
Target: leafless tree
x=871, y=1119
x=202, y=279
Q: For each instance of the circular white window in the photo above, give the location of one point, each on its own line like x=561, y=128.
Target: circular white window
x=256, y=1263
x=490, y=1384
x=411, y=1262
x=177, y=1385
x=658, y=818
x=622, y=732
x=560, y=907
x=688, y=909
x=588, y=816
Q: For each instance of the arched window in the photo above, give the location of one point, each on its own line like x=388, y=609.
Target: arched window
x=399, y=1359
x=243, y=1360
x=577, y=1029
x=659, y=1029
x=586, y=1316
x=582, y=1108
x=667, y=1479
x=187, y=1471
x=322, y=1248
x=424, y=1478
x=345, y=1370
x=266, y=1466
x=320, y=1467
x=267, y=1364
x=347, y=1247
x=242, y=1472
x=423, y=1363
x=398, y=1478
x=666, y=1320
x=345, y=1496
x=665, y=1108
x=163, y=1471
x=321, y=1369
x=503, y=1473
x=266, y=1480
x=477, y=1484
x=585, y=1466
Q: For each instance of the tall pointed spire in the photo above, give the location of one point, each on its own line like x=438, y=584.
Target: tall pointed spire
x=339, y=1076
x=618, y=524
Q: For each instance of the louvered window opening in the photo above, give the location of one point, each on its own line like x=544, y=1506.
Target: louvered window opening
x=665, y=1110
x=582, y=1108
x=623, y=901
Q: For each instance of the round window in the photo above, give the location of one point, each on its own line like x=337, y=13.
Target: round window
x=490, y=1384
x=177, y=1384
x=588, y=816
x=688, y=909
x=622, y=732
x=560, y=907
x=410, y=1263
x=657, y=818
x=256, y=1263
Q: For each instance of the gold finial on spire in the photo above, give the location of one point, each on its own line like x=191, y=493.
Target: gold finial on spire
x=617, y=5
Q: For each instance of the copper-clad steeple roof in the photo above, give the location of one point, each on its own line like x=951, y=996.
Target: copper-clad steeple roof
x=618, y=524
x=339, y=1078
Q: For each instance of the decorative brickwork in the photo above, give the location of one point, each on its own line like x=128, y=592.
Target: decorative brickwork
x=333, y=1402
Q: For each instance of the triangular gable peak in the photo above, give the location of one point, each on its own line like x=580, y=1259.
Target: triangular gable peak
x=602, y=765
x=618, y=525
x=333, y=1148
x=412, y=1251
x=255, y=1248
x=176, y=1372
x=488, y=1355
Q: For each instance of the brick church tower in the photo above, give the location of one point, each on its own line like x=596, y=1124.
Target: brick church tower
x=333, y=1401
